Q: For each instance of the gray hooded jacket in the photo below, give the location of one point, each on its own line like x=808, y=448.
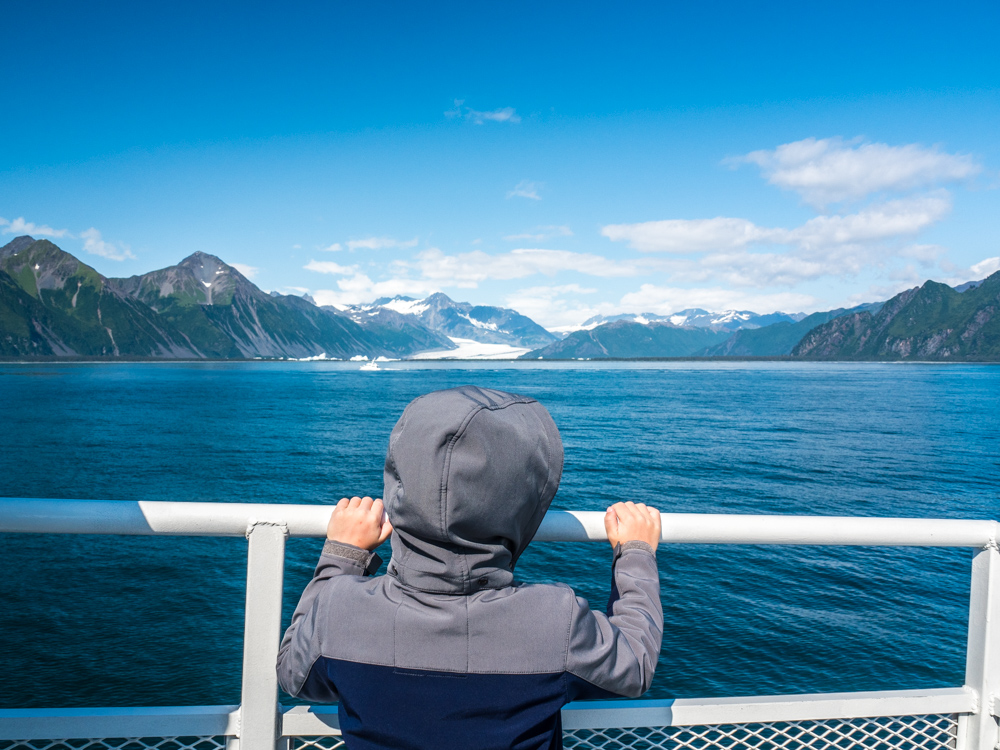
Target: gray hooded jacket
x=447, y=650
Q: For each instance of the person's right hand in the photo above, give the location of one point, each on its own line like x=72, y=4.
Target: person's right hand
x=359, y=521
x=632, y=522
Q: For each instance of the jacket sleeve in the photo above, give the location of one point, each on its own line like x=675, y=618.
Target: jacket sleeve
x=616, y=653
x=302, y=644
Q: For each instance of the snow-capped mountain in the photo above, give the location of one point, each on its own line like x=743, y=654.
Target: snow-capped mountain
x=441, y=315
x=727, y=320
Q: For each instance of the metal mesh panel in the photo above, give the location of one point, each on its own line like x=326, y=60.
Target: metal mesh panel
x=119, y=743
x=936, y=732
x=328, y=742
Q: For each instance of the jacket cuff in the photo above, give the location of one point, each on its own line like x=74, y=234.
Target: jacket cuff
x=621, y=548
x=369, y=562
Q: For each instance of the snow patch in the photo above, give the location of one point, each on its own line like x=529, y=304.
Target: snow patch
x=406, y=306
x=207, y=283
x=479, y=323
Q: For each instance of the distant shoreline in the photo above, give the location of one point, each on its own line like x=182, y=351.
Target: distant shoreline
x=161, y=361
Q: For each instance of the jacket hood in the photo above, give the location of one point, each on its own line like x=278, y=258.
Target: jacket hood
x=469, y=475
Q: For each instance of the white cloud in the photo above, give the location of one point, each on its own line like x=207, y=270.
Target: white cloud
x=479, y=117
x=686, y=235
x=376, y=243
x=334, y=248
x=549, y=292
x=984, y=268
x=325, y=266
x=925, y=255
x=360, y=288
x=468, y=269
x=95, y=245
x=885, y=221
x=243, y=268
x=554, y=307
x=525, y=189
x=20, y=226
x=897, y=218
x=542, y=233
x=830, y=170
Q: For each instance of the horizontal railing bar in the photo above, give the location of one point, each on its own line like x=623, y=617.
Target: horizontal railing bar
x=701, y=711
x=155, y=721
x=309, y=721
x=231, y=519
x=305, y=721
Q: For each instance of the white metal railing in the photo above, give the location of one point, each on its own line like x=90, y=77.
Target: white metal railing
x=963, y=717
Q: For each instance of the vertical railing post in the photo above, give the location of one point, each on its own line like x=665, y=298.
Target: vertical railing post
x=979, y=731
x=261, y=634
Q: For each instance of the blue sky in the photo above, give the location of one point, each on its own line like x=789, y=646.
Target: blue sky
x=566, y=160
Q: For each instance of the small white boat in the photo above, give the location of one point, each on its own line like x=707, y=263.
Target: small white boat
x=372, y=365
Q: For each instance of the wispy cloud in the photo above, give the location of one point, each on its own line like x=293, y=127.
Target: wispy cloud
x=325, y=266
x=380, y=243
x=898, y=218
x=539, y=234
x=469, y=269
x=686, y=235
x=243, y=268
x=336, y=247
x=984, y=268
x=831, y=170
x=526, y=189
x=555, y=306
x=20, y=226
x=479, y=116
x=94, y=244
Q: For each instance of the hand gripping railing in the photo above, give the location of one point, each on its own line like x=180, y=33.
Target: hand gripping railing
x=906, y=718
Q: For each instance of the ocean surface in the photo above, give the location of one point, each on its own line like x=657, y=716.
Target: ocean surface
x=104, y=621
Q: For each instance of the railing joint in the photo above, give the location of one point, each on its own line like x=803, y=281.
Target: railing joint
x=253, y=523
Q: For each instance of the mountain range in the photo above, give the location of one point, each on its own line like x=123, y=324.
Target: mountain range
x=727, y=320
x=52, y=305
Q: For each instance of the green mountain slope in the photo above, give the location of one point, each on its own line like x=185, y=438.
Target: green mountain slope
x=626, y=339
x=777, y=339
x=225, y=315
x=25, y=325
x=77, y=312
x=932, y=322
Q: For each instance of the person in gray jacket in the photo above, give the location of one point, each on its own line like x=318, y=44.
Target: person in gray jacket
x=447, y=650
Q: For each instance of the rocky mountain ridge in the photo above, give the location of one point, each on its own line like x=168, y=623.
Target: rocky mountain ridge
x=933, y=322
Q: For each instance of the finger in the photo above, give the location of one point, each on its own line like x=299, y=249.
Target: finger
x=343, y=503
x=611, y=523
x=366, y=503
x=626, y=511
x=386, y=532
x=355, y=502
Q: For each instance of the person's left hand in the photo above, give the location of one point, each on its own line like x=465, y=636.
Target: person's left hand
x=359, y=521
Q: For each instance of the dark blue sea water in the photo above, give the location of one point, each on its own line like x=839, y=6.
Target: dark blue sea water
x=93, y=621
